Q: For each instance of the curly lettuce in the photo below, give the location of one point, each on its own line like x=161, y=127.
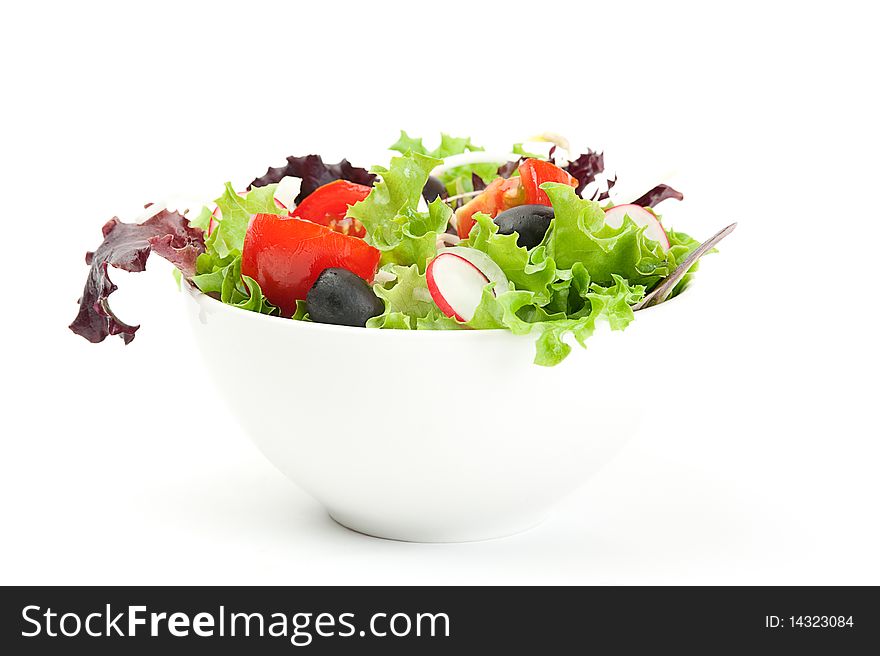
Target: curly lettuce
x=226, y=281
x=313, y=172
x=218, y=269
x=235, y=213
x=579, y=233
x=612, y=304
x=406, y=298
x=127, y=246
x=519, y=311
x=394, y=224
x=458, y=180
x=408, y=306
x=582, y=273
x=528, y=270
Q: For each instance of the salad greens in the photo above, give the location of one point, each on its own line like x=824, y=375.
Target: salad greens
x=585, y=168
x=390, y=214
x=313, y=172
x=658, y=193
x=547, y=300
x=458, y=180
x=218, y=269
x=583, y=271
x=127, y=246
x=407, y=299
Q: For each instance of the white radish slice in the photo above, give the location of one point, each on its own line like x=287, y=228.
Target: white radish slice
x=456, y=285
x=215, y=213
x=287, y=190
x=641, y=217
x=485, y=264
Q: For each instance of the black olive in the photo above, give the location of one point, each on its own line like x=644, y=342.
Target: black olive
x=433, y=189
x=529, y=221
x=342, y=298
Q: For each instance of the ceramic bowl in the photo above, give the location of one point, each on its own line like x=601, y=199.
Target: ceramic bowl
x=431, y=436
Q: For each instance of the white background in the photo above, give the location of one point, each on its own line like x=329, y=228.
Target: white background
x=118, y=467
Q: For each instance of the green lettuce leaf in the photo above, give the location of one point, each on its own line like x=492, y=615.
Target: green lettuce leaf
x=392, y=203
x=302, y=313
x=584, y=272
x=579, y=234
x=202, y=220
x=436, y=320
x=533, y=271
x=612, y=304
x=406, y=298
x=460, y=180
x=406, y=144
x=449, y=146
x=218, y=269
x=228, y=235
x=681, y=245
x=522, y=152
x=518, y=311
x=569, y=291
x=418, y=243
x=390, y=214
x=457, y=180
x=224, y=280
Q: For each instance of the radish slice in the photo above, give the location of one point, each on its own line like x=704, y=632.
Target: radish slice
x=641, y=217
x=287, y=191
x=456, y=278
x=484, y=263
x=456, y=285
x=215, y=213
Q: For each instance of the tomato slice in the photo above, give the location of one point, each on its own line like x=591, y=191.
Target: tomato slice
x=286, y=255
x=534, y=173
x=503, y=194
x=500, y=195
x=328, y=204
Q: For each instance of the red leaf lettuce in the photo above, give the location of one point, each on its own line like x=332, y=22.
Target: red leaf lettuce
x=659, y=193
x=314, y=173
x=127, y=246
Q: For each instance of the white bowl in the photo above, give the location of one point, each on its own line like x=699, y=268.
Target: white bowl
x=430, y=436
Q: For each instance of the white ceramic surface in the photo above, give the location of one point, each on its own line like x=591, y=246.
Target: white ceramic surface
x=432, y=436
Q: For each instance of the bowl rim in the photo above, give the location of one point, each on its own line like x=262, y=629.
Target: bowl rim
x=200, y=298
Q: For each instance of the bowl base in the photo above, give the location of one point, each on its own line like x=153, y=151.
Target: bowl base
x=401, y=534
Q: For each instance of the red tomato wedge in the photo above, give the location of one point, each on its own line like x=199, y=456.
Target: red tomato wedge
x=503, y=194
x=534, y=173
x=500, y=195
x=328, y=204
x=286, y=255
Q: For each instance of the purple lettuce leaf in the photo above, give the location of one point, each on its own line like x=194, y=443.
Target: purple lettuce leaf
x=585, y=168
x=314, y=173
x=606, y=194
x=506, y=170
x=659, y=193
x=127, y=246
x=434, y=188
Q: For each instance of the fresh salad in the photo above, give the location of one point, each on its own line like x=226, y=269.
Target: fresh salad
x=441, y=239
